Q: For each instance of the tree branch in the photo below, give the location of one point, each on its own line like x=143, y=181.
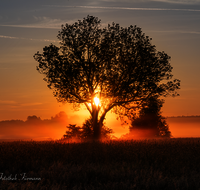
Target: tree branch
x=88, y=108
x=80, y=100
x=106, y=110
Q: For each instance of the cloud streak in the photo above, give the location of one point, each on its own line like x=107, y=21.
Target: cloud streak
x=179, y=1
x=39, y=25
x=19, y=38
x=166, y=1
x=176, y=31
x=41, y=22
x=7, y=102
x=130, y=8
x=16, y=104
x=8, y=37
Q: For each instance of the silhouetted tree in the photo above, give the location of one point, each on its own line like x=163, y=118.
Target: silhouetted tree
x=88, y=131
x=85, y=132
x=72, y=132
x=118, y=65
x=150, y=122
x=33, y=120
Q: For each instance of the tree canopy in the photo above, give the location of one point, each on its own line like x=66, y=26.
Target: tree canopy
x=119, y=65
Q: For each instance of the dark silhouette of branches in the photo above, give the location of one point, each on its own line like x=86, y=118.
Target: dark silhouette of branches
x=118, y=65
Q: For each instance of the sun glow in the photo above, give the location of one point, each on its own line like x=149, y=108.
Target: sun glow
x=96, y=101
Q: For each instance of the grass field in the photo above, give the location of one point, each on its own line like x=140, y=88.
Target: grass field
x=140, y=164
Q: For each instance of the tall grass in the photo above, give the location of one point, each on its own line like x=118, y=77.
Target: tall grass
x=140, y=164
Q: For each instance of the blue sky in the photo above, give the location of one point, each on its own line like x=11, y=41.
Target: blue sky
x=27, y=26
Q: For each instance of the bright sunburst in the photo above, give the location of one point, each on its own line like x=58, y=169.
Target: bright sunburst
x=96, y=101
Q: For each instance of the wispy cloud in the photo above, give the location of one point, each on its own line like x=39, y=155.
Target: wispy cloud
x=17, y=104
x=41, y=22
x=37, y=25
x=19, y=38
x=131, y=8
x=176, y=31
x=8, y=37
x=46, y=22
x=179, y=1
x=165, y=1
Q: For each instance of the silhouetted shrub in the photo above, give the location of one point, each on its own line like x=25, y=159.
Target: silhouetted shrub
x=150, y=123
x=85, y=132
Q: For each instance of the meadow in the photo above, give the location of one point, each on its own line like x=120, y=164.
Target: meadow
x=135, y=164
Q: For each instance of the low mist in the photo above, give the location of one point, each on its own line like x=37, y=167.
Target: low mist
x=34, y=128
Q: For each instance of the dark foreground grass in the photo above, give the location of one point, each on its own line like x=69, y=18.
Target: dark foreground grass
x=145, y=164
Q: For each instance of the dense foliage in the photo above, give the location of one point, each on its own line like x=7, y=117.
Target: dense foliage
x=117, y=64
x=85, y=132
x=150, y=123
x=148, y=164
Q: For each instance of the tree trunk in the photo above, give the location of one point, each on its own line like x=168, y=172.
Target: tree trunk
x=95, y=123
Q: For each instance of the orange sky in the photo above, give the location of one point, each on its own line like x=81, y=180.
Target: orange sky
x=24, y=30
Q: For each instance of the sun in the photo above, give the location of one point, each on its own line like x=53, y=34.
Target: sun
x=96, y=101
